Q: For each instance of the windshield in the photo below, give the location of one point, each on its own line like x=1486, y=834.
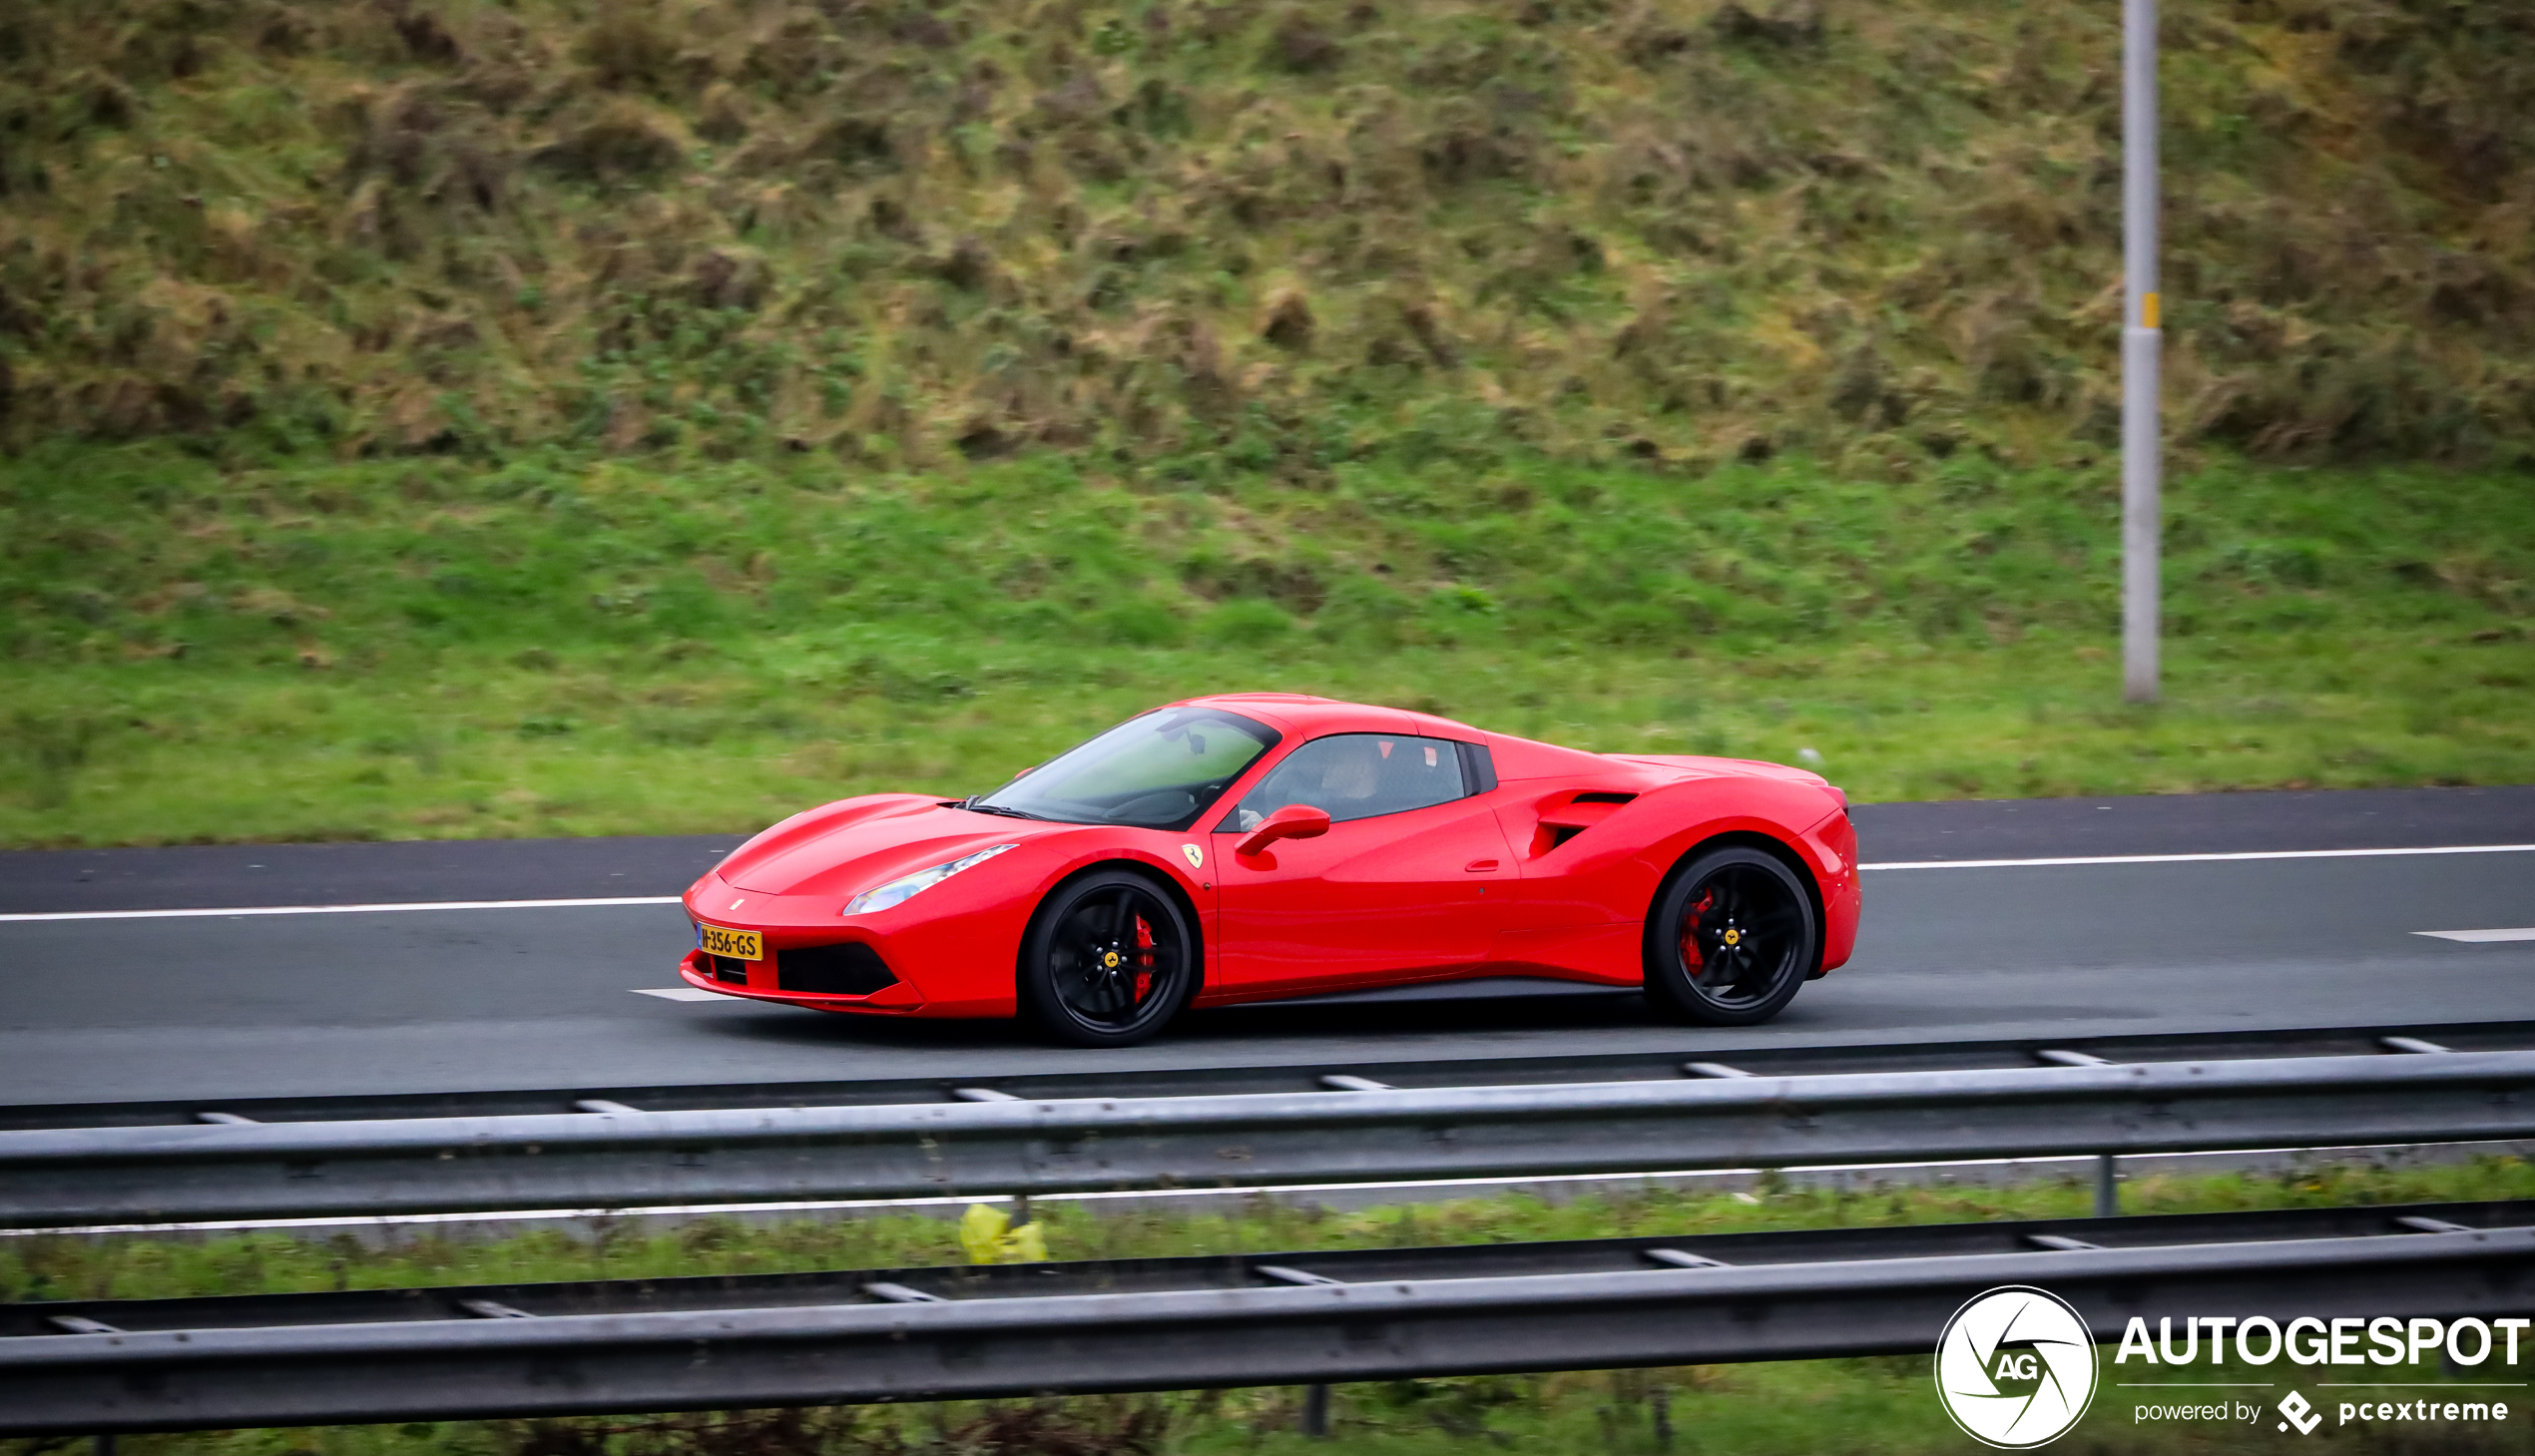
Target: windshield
x=1158, y=772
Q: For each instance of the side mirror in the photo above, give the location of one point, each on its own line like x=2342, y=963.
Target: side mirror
x=1293, y=821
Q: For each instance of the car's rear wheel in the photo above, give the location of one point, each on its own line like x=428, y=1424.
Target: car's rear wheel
x=1732, y=937
x=1108, y=961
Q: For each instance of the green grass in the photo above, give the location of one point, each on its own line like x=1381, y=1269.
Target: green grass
x=1882, y=231
x=46, y=1267
x=1882, y=1405
x=1877, y=1406
x=208, y=648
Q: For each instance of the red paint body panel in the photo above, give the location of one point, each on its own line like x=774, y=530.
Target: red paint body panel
x=1371, y=901
x=1551, y=874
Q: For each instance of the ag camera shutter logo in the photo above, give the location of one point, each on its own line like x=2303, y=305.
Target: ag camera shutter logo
x=2015, y=1368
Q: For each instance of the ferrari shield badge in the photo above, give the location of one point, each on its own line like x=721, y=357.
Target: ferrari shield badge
x=1196, y=856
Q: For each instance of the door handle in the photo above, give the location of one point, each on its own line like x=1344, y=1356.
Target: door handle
x=1478, y=866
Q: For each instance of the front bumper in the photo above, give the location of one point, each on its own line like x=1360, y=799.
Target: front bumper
x=949, y=950
x=761, y=980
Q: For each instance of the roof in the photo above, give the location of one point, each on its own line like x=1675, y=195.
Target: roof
x=1516, y=758
x=1310, y=717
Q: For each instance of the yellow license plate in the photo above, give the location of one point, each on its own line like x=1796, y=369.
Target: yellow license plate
x=745, y=945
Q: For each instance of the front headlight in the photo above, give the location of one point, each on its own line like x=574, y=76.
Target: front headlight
x=896, y=891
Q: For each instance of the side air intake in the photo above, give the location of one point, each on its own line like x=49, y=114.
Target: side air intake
x=1564, y=819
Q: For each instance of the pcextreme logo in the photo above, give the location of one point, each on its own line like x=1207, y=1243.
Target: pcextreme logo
x=2299, y=1412
x=2015, y=1368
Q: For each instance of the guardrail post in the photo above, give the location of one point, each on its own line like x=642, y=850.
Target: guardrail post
x=2107, y=1192
x=1316, y=1410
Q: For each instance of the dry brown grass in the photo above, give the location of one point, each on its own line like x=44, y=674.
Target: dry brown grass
x=1672, y=230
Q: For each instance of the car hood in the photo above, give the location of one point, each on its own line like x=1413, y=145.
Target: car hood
x=848, y=847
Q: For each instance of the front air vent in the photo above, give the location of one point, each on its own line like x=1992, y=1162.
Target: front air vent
x=850, y=969
x=730, y=971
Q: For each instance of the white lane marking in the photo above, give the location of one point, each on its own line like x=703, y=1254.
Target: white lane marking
x=349, y=909
x=2196, y=858
x=2482, y=937
x=682, y=993
x=673, y=899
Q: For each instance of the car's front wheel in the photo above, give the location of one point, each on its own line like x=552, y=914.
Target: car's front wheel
x=1731, y=939
x=1108, y=961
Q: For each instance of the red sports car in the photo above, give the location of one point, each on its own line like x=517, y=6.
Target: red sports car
x=1258, y=846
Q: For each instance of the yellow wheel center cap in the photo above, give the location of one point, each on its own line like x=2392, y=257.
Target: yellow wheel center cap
x=1734, y=938
x=1111, y=960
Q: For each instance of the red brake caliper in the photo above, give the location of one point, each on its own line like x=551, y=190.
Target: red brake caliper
x=1144, y=958
x=1690, y=932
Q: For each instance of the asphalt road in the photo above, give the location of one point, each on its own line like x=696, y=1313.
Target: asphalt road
x=274, y=1005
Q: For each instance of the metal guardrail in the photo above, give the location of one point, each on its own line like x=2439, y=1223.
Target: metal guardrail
x=623, y=1157
x=1289, y=1318
x=1773, y=1059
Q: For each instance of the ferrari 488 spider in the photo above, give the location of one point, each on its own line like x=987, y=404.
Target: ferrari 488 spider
x=1256, y=846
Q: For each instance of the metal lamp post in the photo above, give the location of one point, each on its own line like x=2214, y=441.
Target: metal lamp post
x=2141, y=474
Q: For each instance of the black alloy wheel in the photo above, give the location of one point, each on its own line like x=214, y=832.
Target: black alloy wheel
x=1108, y=961
x=1732, y=936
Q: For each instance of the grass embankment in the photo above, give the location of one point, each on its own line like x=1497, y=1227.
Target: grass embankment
x=567, y=645
x=907, y=233
x=1882, y=1405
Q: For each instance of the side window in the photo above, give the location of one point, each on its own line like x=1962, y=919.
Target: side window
x=1356, y=776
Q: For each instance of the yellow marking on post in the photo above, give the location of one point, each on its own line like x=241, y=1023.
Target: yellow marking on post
x=2147, y=311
